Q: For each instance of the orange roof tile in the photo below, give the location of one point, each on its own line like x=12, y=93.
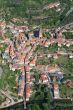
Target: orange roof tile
x=33, y=61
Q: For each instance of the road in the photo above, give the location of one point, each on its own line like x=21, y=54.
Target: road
x=8, y=96
x=11, y=103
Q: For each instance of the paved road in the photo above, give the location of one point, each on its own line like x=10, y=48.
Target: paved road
x=8, y=96
x=11, y=103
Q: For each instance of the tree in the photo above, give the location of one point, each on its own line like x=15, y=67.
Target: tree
x=40, y=96
x=45, y=106
x=35, y=107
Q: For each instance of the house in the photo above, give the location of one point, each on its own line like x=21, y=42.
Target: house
x=52, y=5
x=28, y=92
x=40, y=33
x=68, y=44
x=46, y=44
x=33, y=62
x=44, y=78
x=71, y=56
x=21, y=86
x=28, y=68
x=26, y=60
x=55, y=56
x=49, y=55
x=53, y=69
x=56, y=91
x=30, y=34
x=27, y=77
x=59, y=44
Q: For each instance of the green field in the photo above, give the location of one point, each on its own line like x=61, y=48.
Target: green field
x=65, y=91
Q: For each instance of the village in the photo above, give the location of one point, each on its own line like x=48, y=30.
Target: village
x=29, y=50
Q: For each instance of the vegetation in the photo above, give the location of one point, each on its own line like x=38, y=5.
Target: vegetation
x=70, y=48
x=41, y=49
x=65, y=64
x=45, y=50
x=53, y=48
x=41, y=97
x=8, y=33
x=3, y=46
x=1, y=98
x=63, y=104
x=41, y=61
x=7, y=80
x=68, y=35
x=29, y=9
x=66, y=91
x=46, y=35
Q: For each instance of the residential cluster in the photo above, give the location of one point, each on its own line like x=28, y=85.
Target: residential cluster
x=20, y=50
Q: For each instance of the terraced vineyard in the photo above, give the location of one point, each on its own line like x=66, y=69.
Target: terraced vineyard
x=30, y=9
x=36, y=11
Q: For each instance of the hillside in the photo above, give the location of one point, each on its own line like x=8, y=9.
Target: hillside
x=47, y=13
